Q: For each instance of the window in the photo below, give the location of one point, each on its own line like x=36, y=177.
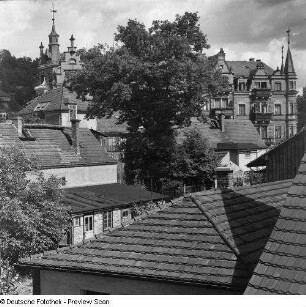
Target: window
x=257, y=84
x=263, y=84
x=291, y=111
x=264, y=108
x=88, y=223
x=247, y=154
x=278, y=132
x=107, y=220
x=76, y=221
x=125, y=213
x=241, y=110
x=218, y=103
x=291, y=131
x=292, y=85
x=242, y=86
x=264, y=132
x=278, y=86
x=278, y=110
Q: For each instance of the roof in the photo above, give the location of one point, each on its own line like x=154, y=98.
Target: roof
x=182, y=242
x=289, y=68
x=246, y=68
x=282, y=266
x=237, y=134
x=52, y=145
x=107, y=196
x=56, y=99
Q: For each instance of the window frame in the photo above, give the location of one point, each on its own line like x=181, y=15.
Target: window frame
x=88, y=226
x=240, y=105
x=276, y=106
x=107, y=220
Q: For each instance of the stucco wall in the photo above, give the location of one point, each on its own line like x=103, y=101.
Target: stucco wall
x=84, y=123
x=86, y=175
x=59, y=283
x=246, y=157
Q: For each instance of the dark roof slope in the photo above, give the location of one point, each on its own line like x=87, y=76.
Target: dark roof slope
x=52, y=145
x=56, y=99
x=182, y=242
x=282, y=266
x=237, y=134
x=245, y=68
x=107, y=196
x=4, y=94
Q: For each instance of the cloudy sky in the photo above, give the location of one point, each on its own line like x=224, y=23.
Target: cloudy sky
x=244, y=28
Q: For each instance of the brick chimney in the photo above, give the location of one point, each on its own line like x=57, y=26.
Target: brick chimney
x=17, y=121
x=224, y=177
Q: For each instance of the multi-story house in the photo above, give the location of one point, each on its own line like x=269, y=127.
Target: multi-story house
x=257, y=92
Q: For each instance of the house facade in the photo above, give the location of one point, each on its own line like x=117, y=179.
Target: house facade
x=259, y=93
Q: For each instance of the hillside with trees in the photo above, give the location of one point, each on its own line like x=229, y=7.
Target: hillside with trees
x=17, y=78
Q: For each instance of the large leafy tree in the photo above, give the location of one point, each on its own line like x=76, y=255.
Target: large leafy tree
x=32, y=216
x=156, y=80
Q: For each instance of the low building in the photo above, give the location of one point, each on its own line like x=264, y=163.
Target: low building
x=100, y=208
x=72, y=154
x=208, y=243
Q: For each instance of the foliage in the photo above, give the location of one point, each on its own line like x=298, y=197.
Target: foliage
x=17, y=78
x=156, y=79
x=301, y=112
x=255, y=177
x=194, y=162
x=32, y=217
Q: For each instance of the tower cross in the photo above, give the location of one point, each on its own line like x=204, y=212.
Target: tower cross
x=53, y=11
x=288, y=33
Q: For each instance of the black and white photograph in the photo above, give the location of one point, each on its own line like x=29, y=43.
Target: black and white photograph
x=152, y=148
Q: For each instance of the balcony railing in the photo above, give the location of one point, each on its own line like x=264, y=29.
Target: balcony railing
x=227, y=111
x=261, y=117
x=261, y=93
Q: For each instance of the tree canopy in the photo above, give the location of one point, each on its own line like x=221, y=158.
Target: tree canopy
x=156, y=79
x=32, y=217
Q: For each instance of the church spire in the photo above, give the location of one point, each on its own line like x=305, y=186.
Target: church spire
x=53, y=40
x=289, y=68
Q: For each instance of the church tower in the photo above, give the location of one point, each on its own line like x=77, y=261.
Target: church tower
x=53, y=42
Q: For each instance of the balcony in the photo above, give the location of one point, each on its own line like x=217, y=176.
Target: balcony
x=261, y=93
x=261, y=117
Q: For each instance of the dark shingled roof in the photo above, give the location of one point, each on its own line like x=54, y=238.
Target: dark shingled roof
x=56, y=99
x=52, y=145
x=213, y=239
x=107, y=196
x=282, y=266
x=245, y=68
x=238, y=134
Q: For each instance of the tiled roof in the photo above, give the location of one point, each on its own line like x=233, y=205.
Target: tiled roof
x=107, y=196
x=238, y=134
x=282, y=266
x=245, y=68
x=56, y=99
x=4, y=94
x=214, y=240
x=52, y=145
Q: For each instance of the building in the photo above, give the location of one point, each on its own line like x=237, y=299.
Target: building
x=283, y=161
x=237, y=140
x=54, y=69
x=257, y=92
x=72, y=154
x=301, y=108
x=208, y=243
x=100, y=208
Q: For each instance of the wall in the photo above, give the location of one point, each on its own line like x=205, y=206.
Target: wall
x=59, y=283
x=245, y=157
x=84, y=123
x=85, y=175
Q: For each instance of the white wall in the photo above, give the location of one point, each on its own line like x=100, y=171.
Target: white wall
x=84, y=123
x=85, y=175
x=246, y=157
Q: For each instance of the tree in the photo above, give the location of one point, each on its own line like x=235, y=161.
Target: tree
x=194, y=163
x=156, y=80
x=32, y=216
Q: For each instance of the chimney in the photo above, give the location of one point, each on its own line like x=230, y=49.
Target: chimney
x=258, y=60
x=17, y=121
x=222, y=123
x=75, y=123
x=252, y=59
x=224, y=177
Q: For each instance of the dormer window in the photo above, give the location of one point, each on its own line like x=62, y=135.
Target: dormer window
x=242, y=86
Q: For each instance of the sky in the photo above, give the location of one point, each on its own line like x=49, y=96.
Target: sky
x=244, y=28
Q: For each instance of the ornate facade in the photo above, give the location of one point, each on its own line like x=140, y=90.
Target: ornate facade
x=257, y=92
